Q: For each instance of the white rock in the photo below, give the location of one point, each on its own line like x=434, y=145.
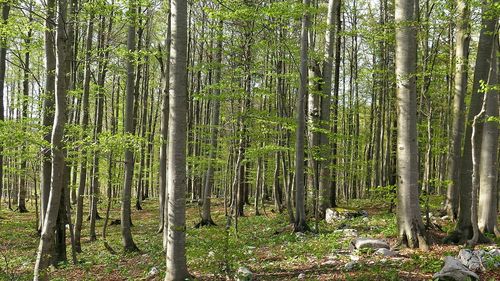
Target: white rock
x=153, y=272
x=350, y=265
x=354, y=257
x=385, y=252
x=369, y=243
x=453, y=269
x=243, y=274
x=347, y=232
x=470, y=259
x=302, y=276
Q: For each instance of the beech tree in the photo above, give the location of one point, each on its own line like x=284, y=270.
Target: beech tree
x=411, y=228
x=176, y=215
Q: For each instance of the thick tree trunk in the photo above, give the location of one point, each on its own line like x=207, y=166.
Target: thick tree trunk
x=488, y=166
x=325, y=175
x=176, y=242
x=464, y=225
x=300, y=208
x=46, y=246
x=461, y=69
x=410, y=224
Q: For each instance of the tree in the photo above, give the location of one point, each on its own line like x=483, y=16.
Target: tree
x=84, y=121
x=300, y=212
x=464, y=227
x=63, y=51
x=488, y=165
x=48, y=106
x=411, y=228
x=206, y=218
x=177, y=125
x=3, y=59
x=461, y=69
x=325, y=173
x=126, y=220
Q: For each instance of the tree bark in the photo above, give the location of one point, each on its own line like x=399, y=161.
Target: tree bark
x=461, y=69
x=63, y=39
x=410, y=224
x=464, y=225
x=3, y=59
x=176, y=242
x=488, y=166
x=300, y=208
x=126, y=220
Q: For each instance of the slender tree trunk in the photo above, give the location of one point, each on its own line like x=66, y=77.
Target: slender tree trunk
x=176, y=242
x=300, y=208
x=84, y=121
x=206, y=218
x=164, y=134
x=461, y=69
x=411, y=227
x=3, y=59
x=126, y=220
x=63, y=39
x=21, y=199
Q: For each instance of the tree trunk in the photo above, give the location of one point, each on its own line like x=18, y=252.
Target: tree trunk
x=126, y=220
x=464, y=225
x=63, y=39
x=325, y=173
x=461, y=69
x=3, y=59
x=410, y=224
x=84, y=121
x=21, y=199
x=165, y=67
x=206, y=218
x=488, y=166
x=176, y=242
x=300, y=208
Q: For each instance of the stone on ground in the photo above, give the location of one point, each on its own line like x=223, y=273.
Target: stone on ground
x=368, y=243
x=454, y=270
x=243, y=274
x=385, y=252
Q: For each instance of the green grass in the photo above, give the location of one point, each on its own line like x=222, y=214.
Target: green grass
x=265, y=244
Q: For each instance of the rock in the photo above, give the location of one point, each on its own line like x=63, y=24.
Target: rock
x=368, y=243
x=302, y=276
x=347, y=232
x=354, y=257
x=330, y=215
x=350, y=265
x=453, y=269
x=470, y=259
x=211, y=254
x=300, y=235
x=335, y=214
x=243, y=274
x=385, y=252
x=153, y=272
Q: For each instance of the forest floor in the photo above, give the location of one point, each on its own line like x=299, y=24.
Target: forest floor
x=265, y=244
